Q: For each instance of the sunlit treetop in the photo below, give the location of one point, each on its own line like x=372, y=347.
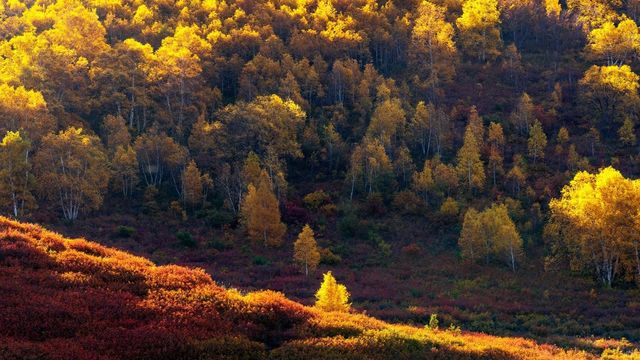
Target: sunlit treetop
x=592, y=14
x=613, y=44
x=553, y=8
x=19, y=98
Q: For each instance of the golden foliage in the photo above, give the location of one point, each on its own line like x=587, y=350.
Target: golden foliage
x=594, y=225
x=332, y=296
x=305, y=250
x=261, y=214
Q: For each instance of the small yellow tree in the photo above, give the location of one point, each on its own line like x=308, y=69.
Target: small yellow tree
x=470, y=167
x=496, y=150
x=490, y=233
x=471, y=241
x=332, y=296
x=423, y=181
x=124, y=164
x=305, y=250
x=194, y=185
x=476, y=125
x=261, y=214
x=537, y=141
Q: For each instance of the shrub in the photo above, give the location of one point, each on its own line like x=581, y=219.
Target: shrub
x=375, y=204
x=433, y=322
x=407, y=203
x=125, y=231
x=186, y=240
x=327, y=257
x=349, y=225
x=88, y=301
x=329, y=210
x=220, y=243
x=412, y=250
x=294, y=213
x=449, y=207
x=177, y=211
x=218, y=217
x=260, y=260
x=149, y=203
x=316, y=199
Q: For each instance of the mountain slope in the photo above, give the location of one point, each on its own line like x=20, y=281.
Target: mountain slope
x=71, y=298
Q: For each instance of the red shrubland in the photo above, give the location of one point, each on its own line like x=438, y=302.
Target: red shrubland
x=72, y=298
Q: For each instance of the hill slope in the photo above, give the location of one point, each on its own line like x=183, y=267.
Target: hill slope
x=64, y=298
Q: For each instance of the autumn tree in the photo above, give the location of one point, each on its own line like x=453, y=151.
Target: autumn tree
x=122, y=155
x=591, y=14
x=517, y=175
x=194, y=185
x=477, y=127
x=305, y=250
x=124, y=163
x=450, y=208
x=594, y=225
x=594, y=139
x=495, y=138
x=72, y=171
x=115, y=132
x=522, y=116
x=469, y=166
x=159, y=155
x=555, y=101
x=334, y=146
x=490, y=233
x=446, y=178
x=25, y=111
x=176, y=68
x=251, y=170
x=471, y=240
x=387, y=121
x=332, y=296
x=16, y=178
x=626, y=132
x=422, y=182
x=537, y=141
x=261, y=214
x=432, y=51
x=441, y=128
x=479, y=29
x=268, y=125
x=512, y=64
x=609, y=91
x=420, y=126
x=614, y=45
x=370, y=165
x=562, y=138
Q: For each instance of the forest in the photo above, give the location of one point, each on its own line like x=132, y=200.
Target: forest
x=469, y=162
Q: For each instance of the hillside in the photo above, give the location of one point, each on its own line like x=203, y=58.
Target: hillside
x=474, y=162
x=72, y=298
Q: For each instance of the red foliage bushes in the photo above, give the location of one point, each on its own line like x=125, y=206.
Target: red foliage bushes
x=74, y=299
